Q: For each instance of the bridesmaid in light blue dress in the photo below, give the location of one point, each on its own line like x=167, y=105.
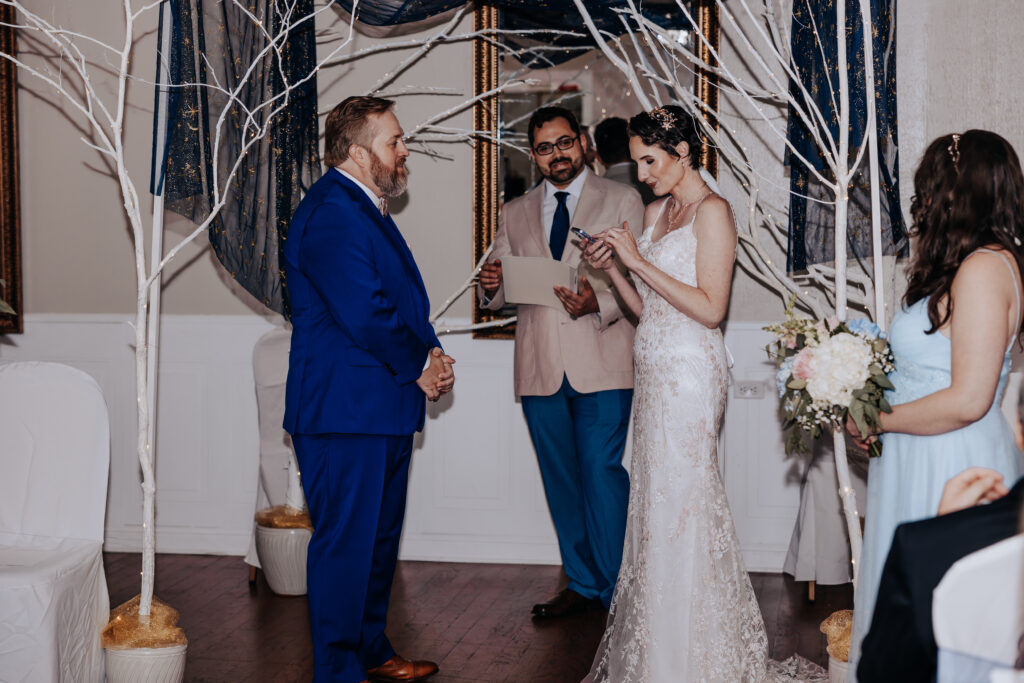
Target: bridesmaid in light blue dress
x=952, y=362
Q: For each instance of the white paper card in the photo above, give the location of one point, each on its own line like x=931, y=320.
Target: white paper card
x=531, y=280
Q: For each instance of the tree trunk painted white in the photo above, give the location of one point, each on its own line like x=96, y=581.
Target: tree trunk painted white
x=871, y=131
x=843, y=177
x=294, y=497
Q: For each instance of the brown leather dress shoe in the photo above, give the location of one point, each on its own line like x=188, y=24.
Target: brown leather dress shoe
x=402, y=670
x=564, y=604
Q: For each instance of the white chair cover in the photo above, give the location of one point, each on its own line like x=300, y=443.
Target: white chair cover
x=978, y=613
x=270, y=371
x=55, y=457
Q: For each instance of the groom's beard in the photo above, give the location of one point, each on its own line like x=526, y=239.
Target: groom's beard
x=390, y=181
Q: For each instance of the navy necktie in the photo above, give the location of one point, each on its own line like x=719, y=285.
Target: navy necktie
x=559, y=226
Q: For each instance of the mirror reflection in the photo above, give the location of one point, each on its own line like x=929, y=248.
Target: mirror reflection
x=589, y=86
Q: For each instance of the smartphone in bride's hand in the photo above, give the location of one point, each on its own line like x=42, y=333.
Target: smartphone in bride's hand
x=583, y=234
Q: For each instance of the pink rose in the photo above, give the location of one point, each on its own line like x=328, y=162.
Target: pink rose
x=802, y=364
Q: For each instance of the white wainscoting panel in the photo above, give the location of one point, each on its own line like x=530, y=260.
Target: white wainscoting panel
x=475, y=492
x=207, y=443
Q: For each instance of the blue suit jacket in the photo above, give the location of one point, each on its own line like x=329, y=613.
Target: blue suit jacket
x=361, y=333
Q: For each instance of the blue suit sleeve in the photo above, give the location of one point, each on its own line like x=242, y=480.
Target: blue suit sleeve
x=337, y=257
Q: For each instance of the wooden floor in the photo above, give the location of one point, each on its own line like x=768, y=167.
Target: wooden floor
x=473, y=619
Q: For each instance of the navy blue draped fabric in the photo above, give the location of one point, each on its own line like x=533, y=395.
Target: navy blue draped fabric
x=520, y=15
x=216, y=42
x=215, y=37
x=812, y=223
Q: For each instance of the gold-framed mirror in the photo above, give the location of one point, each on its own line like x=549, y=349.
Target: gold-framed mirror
x=494, y=165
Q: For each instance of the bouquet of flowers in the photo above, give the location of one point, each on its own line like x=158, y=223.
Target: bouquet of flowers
x=827, y=371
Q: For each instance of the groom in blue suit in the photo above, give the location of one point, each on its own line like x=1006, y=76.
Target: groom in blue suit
x=363, y=356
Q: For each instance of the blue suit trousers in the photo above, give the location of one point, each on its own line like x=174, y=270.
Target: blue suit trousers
x=579, y=439
x=355, y=487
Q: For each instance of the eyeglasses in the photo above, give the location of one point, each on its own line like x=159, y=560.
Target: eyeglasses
x=564, y=142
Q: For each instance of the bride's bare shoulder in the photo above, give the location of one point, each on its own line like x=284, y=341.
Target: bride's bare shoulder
x=714, y=213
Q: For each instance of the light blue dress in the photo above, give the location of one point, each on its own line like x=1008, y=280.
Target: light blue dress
x=906, y=482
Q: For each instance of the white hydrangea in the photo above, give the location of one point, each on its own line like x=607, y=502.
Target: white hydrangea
x=839, y=367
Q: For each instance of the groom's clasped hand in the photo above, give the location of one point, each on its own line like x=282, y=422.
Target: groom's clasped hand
x=438, y=378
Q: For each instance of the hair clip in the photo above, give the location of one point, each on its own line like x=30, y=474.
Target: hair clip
x=664, y=117
x=954, y=150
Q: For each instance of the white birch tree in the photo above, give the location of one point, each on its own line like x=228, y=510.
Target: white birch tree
x=91, y=78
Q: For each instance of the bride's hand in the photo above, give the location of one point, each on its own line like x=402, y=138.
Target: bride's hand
x=624, y=244
x=598, y=254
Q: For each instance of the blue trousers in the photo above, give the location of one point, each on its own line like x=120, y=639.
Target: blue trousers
x=355, y=487
x=579, y=439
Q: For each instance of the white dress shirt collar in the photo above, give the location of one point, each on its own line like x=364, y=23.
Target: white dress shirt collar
x=369, y=193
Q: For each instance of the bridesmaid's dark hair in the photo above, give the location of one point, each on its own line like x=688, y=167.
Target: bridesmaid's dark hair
x=666, y=127
x=968, y=193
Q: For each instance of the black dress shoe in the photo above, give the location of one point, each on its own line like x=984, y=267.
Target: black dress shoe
x=562, y=605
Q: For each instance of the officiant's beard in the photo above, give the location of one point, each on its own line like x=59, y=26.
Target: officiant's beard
x=390, y=181
x=569, y=166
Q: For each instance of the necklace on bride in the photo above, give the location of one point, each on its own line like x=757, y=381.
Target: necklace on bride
x=676, y=211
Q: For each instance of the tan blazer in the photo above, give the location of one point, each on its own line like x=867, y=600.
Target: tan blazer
x=595, y=354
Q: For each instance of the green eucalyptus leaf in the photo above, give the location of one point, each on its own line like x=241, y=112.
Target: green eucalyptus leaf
x=857, y=413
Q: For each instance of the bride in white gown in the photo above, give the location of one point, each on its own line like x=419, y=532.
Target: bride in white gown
x=683, y=608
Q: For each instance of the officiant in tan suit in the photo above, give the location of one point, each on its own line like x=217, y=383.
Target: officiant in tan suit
x=573, y=365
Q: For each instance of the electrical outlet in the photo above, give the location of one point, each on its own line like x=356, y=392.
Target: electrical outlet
x=748, y=389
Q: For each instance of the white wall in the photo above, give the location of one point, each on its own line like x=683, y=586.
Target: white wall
x=475, y=492
x=959, y=68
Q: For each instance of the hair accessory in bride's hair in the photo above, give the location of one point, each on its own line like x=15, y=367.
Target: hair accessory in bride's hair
x=954, y=151
x=664, y=117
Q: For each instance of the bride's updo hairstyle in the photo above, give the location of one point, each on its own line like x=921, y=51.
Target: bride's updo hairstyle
x=968, y=193
x=666, y=127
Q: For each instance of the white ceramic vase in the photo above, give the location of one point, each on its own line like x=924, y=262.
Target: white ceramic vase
x=146, y=665
x=837, y=670
x=282, y=554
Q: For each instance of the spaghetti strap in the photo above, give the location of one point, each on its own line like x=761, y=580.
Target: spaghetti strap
x=1016, y=289
x=661, y=210
x=701, y=201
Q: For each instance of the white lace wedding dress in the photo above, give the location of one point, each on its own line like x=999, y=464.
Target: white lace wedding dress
x=683, y=608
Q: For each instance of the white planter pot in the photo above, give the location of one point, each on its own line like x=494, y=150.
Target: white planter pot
x=282, y=554
x=837, y=671
x=146, y=665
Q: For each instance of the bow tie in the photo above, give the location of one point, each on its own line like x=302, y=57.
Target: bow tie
x=382, y=204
